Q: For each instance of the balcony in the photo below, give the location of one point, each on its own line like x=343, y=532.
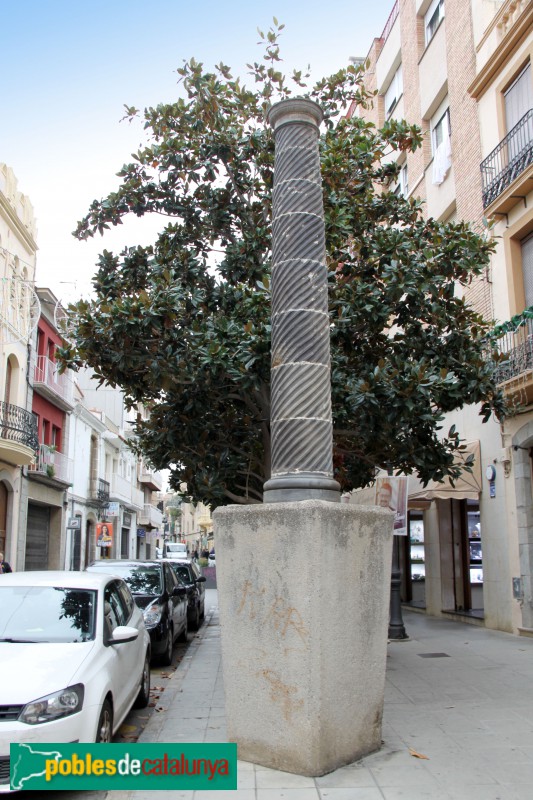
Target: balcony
x=52, y=464
x=99, y=490
x=55, y=387
x=121, y=489
x=150, y=478
x=150, y=517
x=18, y=435
x=515, y=374
x=506, y=165
x=137, y=498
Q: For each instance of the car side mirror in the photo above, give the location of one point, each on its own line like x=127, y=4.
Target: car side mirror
x=123, y=633
x=201, y=579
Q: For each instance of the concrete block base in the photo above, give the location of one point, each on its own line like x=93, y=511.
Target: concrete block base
x=304, y=592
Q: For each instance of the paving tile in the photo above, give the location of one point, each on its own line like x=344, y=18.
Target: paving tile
x=398, y=775
x=515, y=774
x=346, y=777
x=223, y=794
x=274, y=779
x=412, y=793
x=245, y=780
x=286, y=794
x=358, y=793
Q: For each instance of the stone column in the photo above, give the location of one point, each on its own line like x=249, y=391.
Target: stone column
x=303, y=583
x=301, y=426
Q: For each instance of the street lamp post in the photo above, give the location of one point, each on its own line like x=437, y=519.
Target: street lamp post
x=396, y=626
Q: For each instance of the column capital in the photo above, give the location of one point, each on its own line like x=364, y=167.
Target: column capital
x=294, y=110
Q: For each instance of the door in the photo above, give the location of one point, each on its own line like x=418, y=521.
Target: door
x=3, y=518
x=127, y=658
x=125, y=543
x=455, y=554
x=37, y=537
x=76, y=549
x=518, y=101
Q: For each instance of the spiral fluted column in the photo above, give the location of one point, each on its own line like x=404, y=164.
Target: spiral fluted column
x=301, y=425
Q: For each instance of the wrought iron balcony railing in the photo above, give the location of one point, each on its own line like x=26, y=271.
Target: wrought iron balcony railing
x=102, y=491
x=508, y=160
x=515, y=340
x=18, y=425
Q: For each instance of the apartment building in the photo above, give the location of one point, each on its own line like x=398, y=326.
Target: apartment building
x=128, y=486
x=88, y=495
x=19, y=314
x=461, y=70
x=42, y=520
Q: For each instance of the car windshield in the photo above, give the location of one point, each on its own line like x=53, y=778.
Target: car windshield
x=141, y=578
x=47, y=614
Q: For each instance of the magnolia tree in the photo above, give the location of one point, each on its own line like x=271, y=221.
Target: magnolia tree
x=183, y=325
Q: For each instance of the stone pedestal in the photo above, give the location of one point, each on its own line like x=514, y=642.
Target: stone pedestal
x=304, y=593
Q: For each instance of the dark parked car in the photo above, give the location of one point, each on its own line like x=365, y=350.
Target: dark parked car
x=160, y=594
x=188, y=572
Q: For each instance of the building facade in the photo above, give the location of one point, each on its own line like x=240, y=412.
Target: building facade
x=127, y=486
x=461, y=70
x=42, y=520
x=19, y=314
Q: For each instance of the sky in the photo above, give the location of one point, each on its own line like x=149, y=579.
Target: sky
x=70, y=67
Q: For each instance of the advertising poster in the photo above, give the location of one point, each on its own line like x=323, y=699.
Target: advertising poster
x=391, y=493
x=104, y=534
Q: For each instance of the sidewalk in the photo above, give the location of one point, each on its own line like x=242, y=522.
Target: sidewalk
x=459, y=696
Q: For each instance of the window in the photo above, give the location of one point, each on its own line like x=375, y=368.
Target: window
x=527, y=268
x=518, y=98
x=7, y=388
x=127, y=600
x=432, y=19
x=402, y=187
x=440, y=131
x=55, y=438
x=113, y=608
x=441, y=146
x=394, y=92
x=518, y=102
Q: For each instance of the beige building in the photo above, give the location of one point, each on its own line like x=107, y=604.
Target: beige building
x=187, y=522
x=461, y=70
x=19, y=314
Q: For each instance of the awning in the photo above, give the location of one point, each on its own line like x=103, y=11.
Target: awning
x=467, y=487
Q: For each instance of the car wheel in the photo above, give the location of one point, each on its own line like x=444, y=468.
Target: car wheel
x=143, y=698
x=195, y=623
x=104, y=733
x=184, y=634
x=166, y=658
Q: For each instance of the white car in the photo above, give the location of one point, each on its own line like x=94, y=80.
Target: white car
x=175, y=550
x=74, y=659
